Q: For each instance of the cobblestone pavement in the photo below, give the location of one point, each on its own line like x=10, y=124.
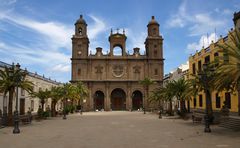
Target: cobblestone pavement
x=117, y=130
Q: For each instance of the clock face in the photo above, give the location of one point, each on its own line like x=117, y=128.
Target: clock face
x=79, y=52
x=118, y=71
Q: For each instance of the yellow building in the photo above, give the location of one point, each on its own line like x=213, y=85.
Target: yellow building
x=207, y=55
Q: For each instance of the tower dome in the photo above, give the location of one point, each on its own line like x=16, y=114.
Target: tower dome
x=153, y=21
x=81, y=20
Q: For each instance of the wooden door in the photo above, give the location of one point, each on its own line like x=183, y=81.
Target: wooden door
x=22, y=106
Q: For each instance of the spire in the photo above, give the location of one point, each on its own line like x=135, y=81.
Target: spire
x=153, y=21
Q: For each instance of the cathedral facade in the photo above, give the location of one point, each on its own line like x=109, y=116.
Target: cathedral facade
x=113, y=80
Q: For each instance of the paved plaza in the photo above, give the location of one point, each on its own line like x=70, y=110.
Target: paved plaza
x=117, y=130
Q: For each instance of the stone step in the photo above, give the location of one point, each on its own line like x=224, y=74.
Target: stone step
x=231, y=123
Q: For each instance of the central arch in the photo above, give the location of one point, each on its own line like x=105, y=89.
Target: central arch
x=117, y=50
x=99, y=100
x=118, y=99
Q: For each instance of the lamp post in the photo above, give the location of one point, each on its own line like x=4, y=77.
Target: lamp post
x=16, y=129
x=205, y=77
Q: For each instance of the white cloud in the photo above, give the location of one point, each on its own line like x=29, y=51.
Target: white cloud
x=136, y=39
x=98, y=27
x=180, y=18
x=36, y=56
x=7, y=2
x=227, y=12
x=204, y=41
x=59, y=34
x=61, y=68
x=204, y=23
x=52, y=37
x=197, y=23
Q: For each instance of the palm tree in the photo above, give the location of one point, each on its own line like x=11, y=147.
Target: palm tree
x=56, y=94
x=81, y=91
x=146, y=82
x=43, y=95
x=165, y=93
x=179, y=88
x=203, y=82
x=168, y=94
x=228, y=71
x=155, y=96
x=10, y=79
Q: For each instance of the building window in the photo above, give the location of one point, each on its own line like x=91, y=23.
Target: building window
x=194, y=68
x=200, y=101
x=207, y=59
x=156, y=72
x=199, y=65
x=216, y=58
x=79, y=72
x=32, y=105
x=218, y=101
x=22, y=92
x=194, y=102
x=228, y=100
x=155, y=53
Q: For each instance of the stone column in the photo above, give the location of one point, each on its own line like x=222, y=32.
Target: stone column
x=107, y=98
x=128, y=97
x=90, y=101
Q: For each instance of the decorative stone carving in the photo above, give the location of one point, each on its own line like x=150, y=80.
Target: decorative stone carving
x=118, y=71
x=136, y=69
x=99, y=69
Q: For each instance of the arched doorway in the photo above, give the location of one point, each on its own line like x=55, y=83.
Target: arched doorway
x=137, y=100
x=98, y=100
x=118, y=99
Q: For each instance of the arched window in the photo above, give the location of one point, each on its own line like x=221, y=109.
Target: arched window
x=155, y=71
x=155, y=53
x=79, y=72
x=80, y=31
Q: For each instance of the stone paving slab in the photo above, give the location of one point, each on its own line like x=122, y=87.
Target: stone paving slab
x=117, y=130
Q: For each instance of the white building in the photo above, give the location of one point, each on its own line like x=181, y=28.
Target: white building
x=25, y=101
x=176, y=74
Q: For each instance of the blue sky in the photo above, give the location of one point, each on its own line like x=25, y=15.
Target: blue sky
x=37, y=33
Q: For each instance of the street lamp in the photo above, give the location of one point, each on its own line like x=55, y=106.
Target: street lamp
x=205, y=77
x=16, y=129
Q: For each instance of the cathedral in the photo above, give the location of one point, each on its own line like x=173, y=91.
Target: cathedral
x=113, y=80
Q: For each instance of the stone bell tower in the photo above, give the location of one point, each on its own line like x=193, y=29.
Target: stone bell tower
x=154, y=50
x=80, y=44
x=80, y=39
x=153, y=43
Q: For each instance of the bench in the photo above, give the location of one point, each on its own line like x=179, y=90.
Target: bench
x=197, y=116
x=25, y=119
